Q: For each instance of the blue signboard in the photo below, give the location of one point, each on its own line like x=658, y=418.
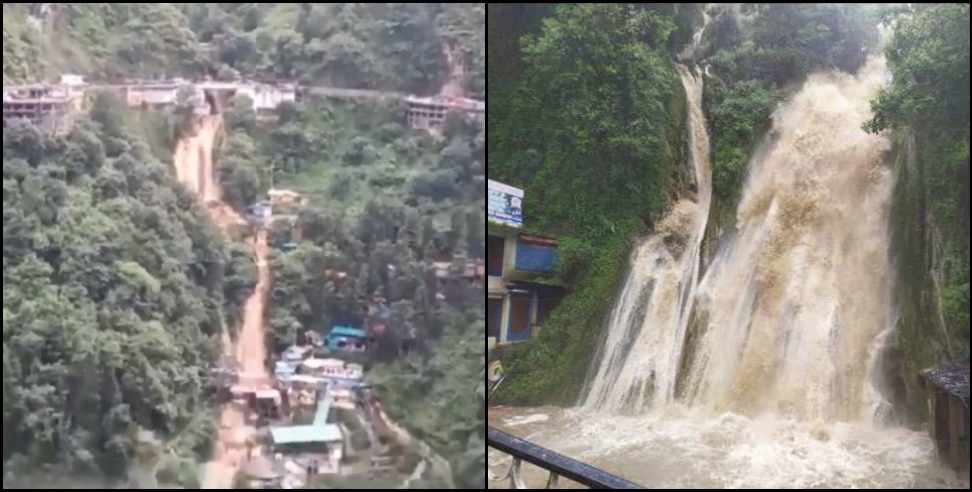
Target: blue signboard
x=505, y=204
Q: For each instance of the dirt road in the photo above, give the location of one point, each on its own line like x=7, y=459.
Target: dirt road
x=195, y=169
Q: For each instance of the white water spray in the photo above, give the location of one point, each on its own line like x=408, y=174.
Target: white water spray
x=647, y=326
x=792, y=307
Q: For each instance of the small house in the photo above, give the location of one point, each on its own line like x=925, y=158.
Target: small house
x=285, y=197
x=320, y=441
x=267, y=403
x=296, y=353
x=347, y=339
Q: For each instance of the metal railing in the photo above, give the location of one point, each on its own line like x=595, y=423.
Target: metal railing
x=555, y=464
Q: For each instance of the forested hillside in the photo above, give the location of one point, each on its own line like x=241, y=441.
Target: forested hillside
x=562, y=116
x=116, y=286
x=114, y=289
x=384, y=46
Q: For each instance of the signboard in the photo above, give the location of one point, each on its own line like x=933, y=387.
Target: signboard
x=505, y=204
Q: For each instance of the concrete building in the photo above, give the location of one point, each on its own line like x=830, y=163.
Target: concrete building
x=519, y=301
x=209, y=96
x=267, y=98
x=286, y=197
x=948, y=409
x=320, y=442
x=153, y=95
x=73, y=81
x=430, y=113
x=51, y=108
x=451, y=274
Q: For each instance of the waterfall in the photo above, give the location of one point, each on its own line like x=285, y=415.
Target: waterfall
x=796, y=304
x=689, y=52
x=793, y=307
x=194, y=159
x=764, y=373
x=642, y=351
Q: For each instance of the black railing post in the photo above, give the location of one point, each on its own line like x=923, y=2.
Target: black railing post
x=556, y=464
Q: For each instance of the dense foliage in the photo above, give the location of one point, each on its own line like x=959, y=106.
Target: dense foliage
x=386, y=202
x=927, y=108
x=754, y=54
x=587, y=116
x=436, y=395
x=389, y=46
x=592, y=128
x=113, y=285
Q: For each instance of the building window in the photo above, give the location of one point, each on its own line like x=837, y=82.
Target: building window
x=495, y=248
x=494, y=318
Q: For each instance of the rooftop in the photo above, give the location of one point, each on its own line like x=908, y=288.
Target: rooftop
x=953, y=378
x=461, y=103
x=322, y=363
x=306, y=434
x=287, y=193
x=348, y=331
x=319, y=432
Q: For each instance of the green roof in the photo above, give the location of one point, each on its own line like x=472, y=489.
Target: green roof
x=323, y=410
x=319, y=432
x=306, y=434
x=348, y=331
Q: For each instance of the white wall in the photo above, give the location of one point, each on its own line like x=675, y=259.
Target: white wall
x=265, y=97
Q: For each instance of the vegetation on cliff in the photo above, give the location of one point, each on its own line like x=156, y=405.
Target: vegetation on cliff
x=926, y=111
x=593, y=128
x=756, y=53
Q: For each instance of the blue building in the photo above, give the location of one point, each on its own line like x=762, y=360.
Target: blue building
x=347, y=339
x=519, y=300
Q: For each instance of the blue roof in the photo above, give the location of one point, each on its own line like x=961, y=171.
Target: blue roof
x=348, y=331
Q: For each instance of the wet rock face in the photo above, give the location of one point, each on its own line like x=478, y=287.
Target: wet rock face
x=920, y=340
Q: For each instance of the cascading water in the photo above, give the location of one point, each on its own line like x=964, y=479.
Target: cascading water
x=642, y=351
x=791, y=307
x=762, y=374
x=689, y=52
x=194, y=158
x=788, y=321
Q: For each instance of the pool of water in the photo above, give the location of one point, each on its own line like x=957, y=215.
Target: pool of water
x=684, y=448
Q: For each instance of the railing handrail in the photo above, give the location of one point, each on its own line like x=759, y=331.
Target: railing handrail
x=555, y=463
